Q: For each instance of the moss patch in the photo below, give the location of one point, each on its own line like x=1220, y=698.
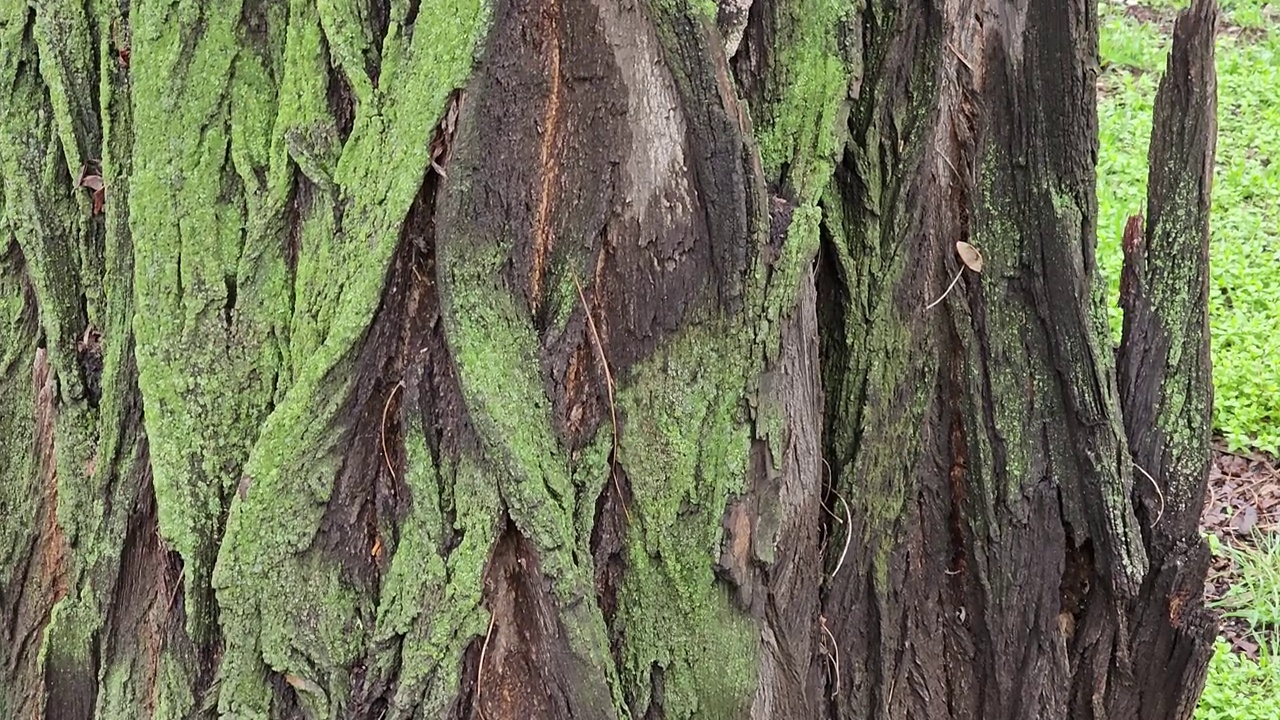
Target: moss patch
x=281, y=603
x=685, y=450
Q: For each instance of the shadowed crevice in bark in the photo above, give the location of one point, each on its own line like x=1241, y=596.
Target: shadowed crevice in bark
x=754, y=56
x=70, y=685
x=529, y=669
x=377, y=18
x=342, y=105
x=366, y=499
x=608, y=544
x=885, y=431
x=145, y=629
x=406, y=384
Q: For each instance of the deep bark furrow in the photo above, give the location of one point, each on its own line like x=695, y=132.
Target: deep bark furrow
x=879, y=437
x=575, y=359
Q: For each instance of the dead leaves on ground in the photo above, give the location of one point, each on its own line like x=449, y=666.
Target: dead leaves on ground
x=1241, y=501
x=1243, y=495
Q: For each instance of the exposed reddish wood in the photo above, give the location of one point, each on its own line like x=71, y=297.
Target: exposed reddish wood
x=543, y=231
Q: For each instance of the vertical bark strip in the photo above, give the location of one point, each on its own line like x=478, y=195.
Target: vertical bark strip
x=32, y=551
x=1166, y=385
x=571, y=359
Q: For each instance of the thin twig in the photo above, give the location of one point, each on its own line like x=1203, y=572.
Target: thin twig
x=828, y=511
x=948, y=290
x=962, y=58
x=848, y=533
x=947, y=160
x=385, y=409
x=1159, y=493
x=833, y=654
x=173, y=595
x=827, y=486
x=480, y=665
x=613, y=409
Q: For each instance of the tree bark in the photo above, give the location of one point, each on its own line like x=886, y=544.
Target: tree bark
x=577, y=359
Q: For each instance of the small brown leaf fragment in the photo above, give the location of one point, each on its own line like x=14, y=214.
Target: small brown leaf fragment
x=93, y=182
x=1246, y=647
x=1246, y=520
x=1067, y=625
x=1175, y=611
x=970, y=256
x=120, y=39
x=302, y=684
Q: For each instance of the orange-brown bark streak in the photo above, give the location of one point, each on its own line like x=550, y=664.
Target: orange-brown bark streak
x=52, y=544
x=542, y=232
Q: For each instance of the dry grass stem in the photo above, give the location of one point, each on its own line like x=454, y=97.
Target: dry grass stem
x=613, y=408
x=848, y=533
x=386, y=409
x=1159, y=493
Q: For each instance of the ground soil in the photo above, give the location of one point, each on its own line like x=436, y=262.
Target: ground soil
x=1242, y=505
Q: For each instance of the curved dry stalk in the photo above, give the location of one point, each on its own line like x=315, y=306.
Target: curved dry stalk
x=827, y=486
x=386, y=456
x=971, y=258
x=833, y=655
x=613, y=409
x=948, y=290
x=1159, y=493
x=848, y=532
x=493, y=616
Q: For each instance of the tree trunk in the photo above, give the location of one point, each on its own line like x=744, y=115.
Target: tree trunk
x=578, y=358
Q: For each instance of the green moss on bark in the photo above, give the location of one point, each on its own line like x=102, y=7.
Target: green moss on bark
x=206, y=362
x=802, y=128
x=496, y=351
x=431, y=597
x=18, y=476
x=284, y=605
x=685, y=450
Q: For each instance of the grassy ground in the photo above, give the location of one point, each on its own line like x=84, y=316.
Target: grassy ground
x=1245, y=286
x=1245, y=295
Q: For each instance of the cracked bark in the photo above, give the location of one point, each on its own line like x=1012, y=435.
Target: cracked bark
x=569, y=359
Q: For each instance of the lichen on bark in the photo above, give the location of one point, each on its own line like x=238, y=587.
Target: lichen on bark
x=452, y=358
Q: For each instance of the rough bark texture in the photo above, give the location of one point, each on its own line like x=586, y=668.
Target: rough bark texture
x=1166, y=387
x=571, y=359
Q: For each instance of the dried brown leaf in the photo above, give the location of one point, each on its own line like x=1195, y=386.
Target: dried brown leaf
x=970, y=256
x=1246, y=520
